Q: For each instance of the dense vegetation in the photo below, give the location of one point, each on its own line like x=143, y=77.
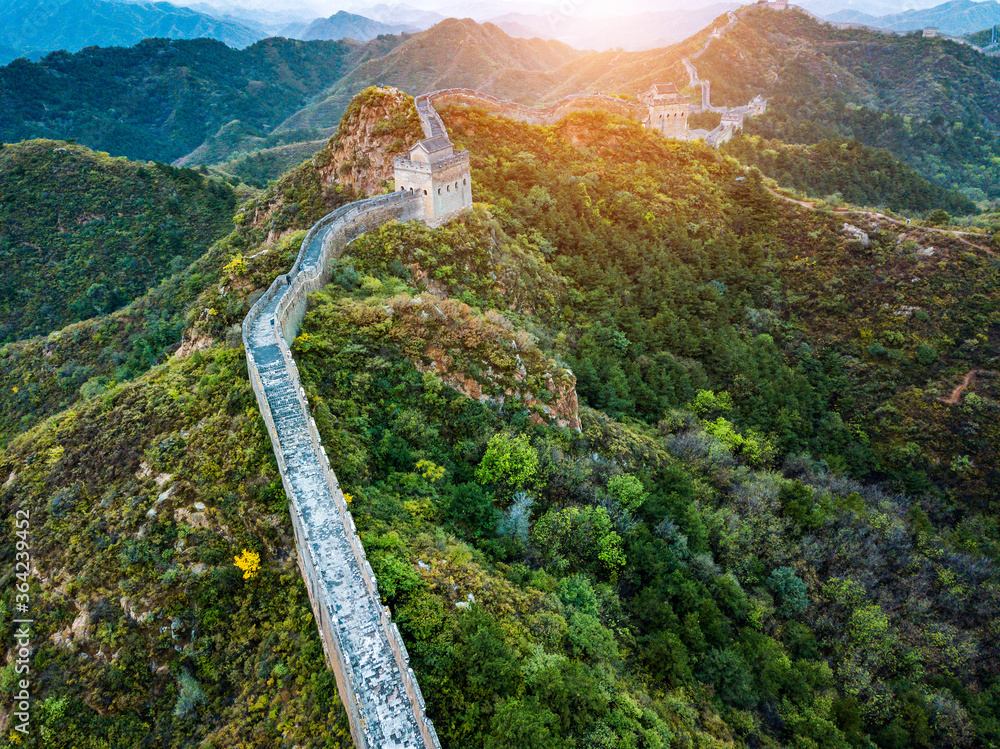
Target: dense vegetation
x=982, y=38
x=162, y=98
x=859, y=85
x=215, y=105
x=31, y=28
x=855, y=173
x=702, y=564
x=85, y=234
x=42, y=376
x=961, y=155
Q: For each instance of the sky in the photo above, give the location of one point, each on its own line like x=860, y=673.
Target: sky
x=584, y=8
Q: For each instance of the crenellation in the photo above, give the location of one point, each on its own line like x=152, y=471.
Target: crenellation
x=359, y=640
x=433, y=172
x=667, y=110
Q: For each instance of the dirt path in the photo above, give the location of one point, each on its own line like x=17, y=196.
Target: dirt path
x=959, y=235
x=956, y=394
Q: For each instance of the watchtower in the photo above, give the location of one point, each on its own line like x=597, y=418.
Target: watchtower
x=756, y=106
x=667, y=110
x=439, y=175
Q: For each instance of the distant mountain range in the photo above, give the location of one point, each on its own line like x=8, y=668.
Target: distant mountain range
x=455, y=53
x=344, y=25
x=957, y=18
x=31, y=28
x=633, y=32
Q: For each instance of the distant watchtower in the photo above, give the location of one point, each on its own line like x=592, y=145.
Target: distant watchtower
x=667, y=110
x=439, y=175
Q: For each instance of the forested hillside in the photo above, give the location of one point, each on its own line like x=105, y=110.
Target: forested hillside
x=161, y=99
x=85, y=234
x=833, y=84
x=777, y=525
x=453, y=54
x=208, y=104
x=849, y=171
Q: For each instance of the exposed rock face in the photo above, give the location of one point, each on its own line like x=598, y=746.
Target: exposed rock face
x=380, y=125
x=562, y=408
x=857, y=234
x=483, y=358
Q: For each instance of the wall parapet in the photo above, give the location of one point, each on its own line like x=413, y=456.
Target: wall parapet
x=384, y=704
x=532, y=115
x=460, y=158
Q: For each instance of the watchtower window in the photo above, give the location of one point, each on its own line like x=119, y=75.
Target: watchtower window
x=448, y=188
x=439, y=191
x=463, y=181
x=425, y=192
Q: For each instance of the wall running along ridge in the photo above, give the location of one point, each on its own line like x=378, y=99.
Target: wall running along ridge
x=431, y=122
x=362, y=645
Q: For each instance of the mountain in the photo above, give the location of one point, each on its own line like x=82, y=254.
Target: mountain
x=162, y=99
x=957, y=17
x=984, y=38
x=933, y=103
x=634, y=32
x=776, y=525
x=199, y=102
x=825, y=83
x=402, y=14
x=475, y=56
x=875, y=7
x=343, y=25
x=33, y=27
x=85, y=234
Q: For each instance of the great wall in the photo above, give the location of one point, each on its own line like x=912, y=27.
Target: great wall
x=362, y=645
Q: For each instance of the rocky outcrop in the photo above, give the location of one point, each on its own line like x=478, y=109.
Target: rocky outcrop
x=558, y=408
x=379, y=125
x=483, y=358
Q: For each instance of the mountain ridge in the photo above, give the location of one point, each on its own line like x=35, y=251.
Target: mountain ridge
x=955, y=17
x=36, y=27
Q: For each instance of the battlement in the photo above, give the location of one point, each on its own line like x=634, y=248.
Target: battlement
x=457, y=158
x=384, y=704
x=433, y=172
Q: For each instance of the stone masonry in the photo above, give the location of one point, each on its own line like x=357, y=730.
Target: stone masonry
x=380, y=693
x=362, y=645
x=667, y=110
x=434, y=172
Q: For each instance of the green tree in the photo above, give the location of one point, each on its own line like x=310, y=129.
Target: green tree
x=789, y=590
x=627, y=491
x=510, y=464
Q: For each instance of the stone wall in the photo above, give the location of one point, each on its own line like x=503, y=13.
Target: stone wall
x=444, y=187
x=363, y=647
x=533, y=116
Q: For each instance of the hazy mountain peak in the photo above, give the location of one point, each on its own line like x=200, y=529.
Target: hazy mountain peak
x=955, y=17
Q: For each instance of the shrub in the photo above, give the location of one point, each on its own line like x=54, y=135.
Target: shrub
x=789, y=590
